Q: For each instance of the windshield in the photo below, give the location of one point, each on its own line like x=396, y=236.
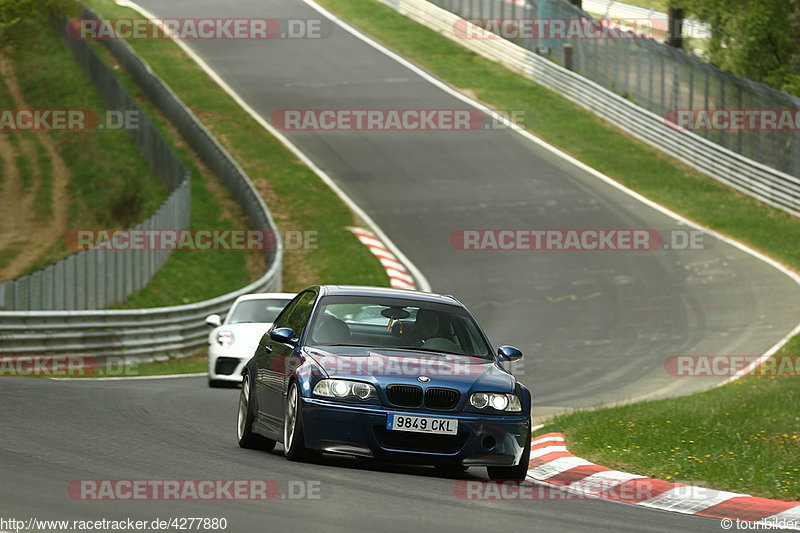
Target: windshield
x=262, y=310
x=397, y=324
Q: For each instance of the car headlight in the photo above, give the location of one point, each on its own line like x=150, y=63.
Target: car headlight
x=498, y=401
x=341, y=388
x=225, y=337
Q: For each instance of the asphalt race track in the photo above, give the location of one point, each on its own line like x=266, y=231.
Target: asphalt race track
x=181, y=429
x=595, y=326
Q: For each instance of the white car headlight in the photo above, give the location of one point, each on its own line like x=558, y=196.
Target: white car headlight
x=342, y=388
x=498, y=401
x=225, y=337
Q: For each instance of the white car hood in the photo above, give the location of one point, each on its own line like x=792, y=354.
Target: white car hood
x=245, y=337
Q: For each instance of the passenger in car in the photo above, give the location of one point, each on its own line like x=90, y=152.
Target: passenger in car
x=331, y=330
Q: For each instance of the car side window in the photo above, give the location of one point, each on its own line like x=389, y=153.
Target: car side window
x=296, y=315
x=280, y=320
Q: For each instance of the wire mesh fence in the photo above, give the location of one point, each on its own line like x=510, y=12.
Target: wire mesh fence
x=94, y=279
x=655, y=76
x=88, y=280
x=198, y=138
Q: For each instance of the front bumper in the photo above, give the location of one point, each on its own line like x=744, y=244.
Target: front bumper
x=226, y=365
x=360, y=430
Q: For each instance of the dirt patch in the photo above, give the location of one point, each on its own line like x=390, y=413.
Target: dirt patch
x=20, y=231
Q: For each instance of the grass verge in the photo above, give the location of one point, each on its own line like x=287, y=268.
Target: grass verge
x=298, y=200
x=581, y=134
x=742, y=436
x=194, y=364
x=120, y=191
x=658, y=5
x=47, y=78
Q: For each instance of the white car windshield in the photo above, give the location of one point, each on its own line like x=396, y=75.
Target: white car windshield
x=257, y=311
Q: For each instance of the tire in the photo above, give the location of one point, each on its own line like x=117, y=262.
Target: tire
x=518, y=472
x=293, y=440
x=217, y=383
x=245, y=418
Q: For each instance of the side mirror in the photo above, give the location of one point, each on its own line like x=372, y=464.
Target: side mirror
x=508, y=353
x=284, y=335
x=214, y=320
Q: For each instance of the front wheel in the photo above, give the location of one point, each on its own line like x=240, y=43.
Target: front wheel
x=293, y=439
x=248, y=439
x=518, y=472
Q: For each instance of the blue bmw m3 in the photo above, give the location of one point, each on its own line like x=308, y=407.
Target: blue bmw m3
x=393, y=375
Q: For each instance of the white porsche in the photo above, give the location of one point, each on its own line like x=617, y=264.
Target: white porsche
x=233, y=341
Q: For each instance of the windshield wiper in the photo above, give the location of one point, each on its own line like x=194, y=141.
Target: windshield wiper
x=342, y=344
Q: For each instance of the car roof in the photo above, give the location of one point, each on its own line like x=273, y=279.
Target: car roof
x=366, y=290
x=266, y=295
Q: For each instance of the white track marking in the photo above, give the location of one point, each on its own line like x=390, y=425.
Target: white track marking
x=118, y=378
x=586, y=168
x=421, y=282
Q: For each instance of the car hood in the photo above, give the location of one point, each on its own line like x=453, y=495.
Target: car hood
x=386, y=366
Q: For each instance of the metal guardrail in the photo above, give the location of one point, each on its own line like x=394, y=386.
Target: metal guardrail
x=657, y=77
x=93, y=279
x=143, y=334
x=756, y=179
x=156, y=333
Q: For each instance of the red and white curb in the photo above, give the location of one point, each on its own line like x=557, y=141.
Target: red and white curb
x=552, y=464
x=398, y=275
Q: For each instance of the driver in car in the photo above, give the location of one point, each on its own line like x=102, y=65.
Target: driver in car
x=426, y=326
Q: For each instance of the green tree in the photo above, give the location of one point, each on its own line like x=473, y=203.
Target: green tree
x=759, y=39
x=12, y=12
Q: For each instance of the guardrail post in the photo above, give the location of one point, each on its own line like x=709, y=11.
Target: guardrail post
x=569, y=54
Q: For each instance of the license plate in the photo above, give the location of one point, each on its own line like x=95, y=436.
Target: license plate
x=422, y=424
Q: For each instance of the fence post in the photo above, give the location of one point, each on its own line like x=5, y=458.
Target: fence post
x=568, y=56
